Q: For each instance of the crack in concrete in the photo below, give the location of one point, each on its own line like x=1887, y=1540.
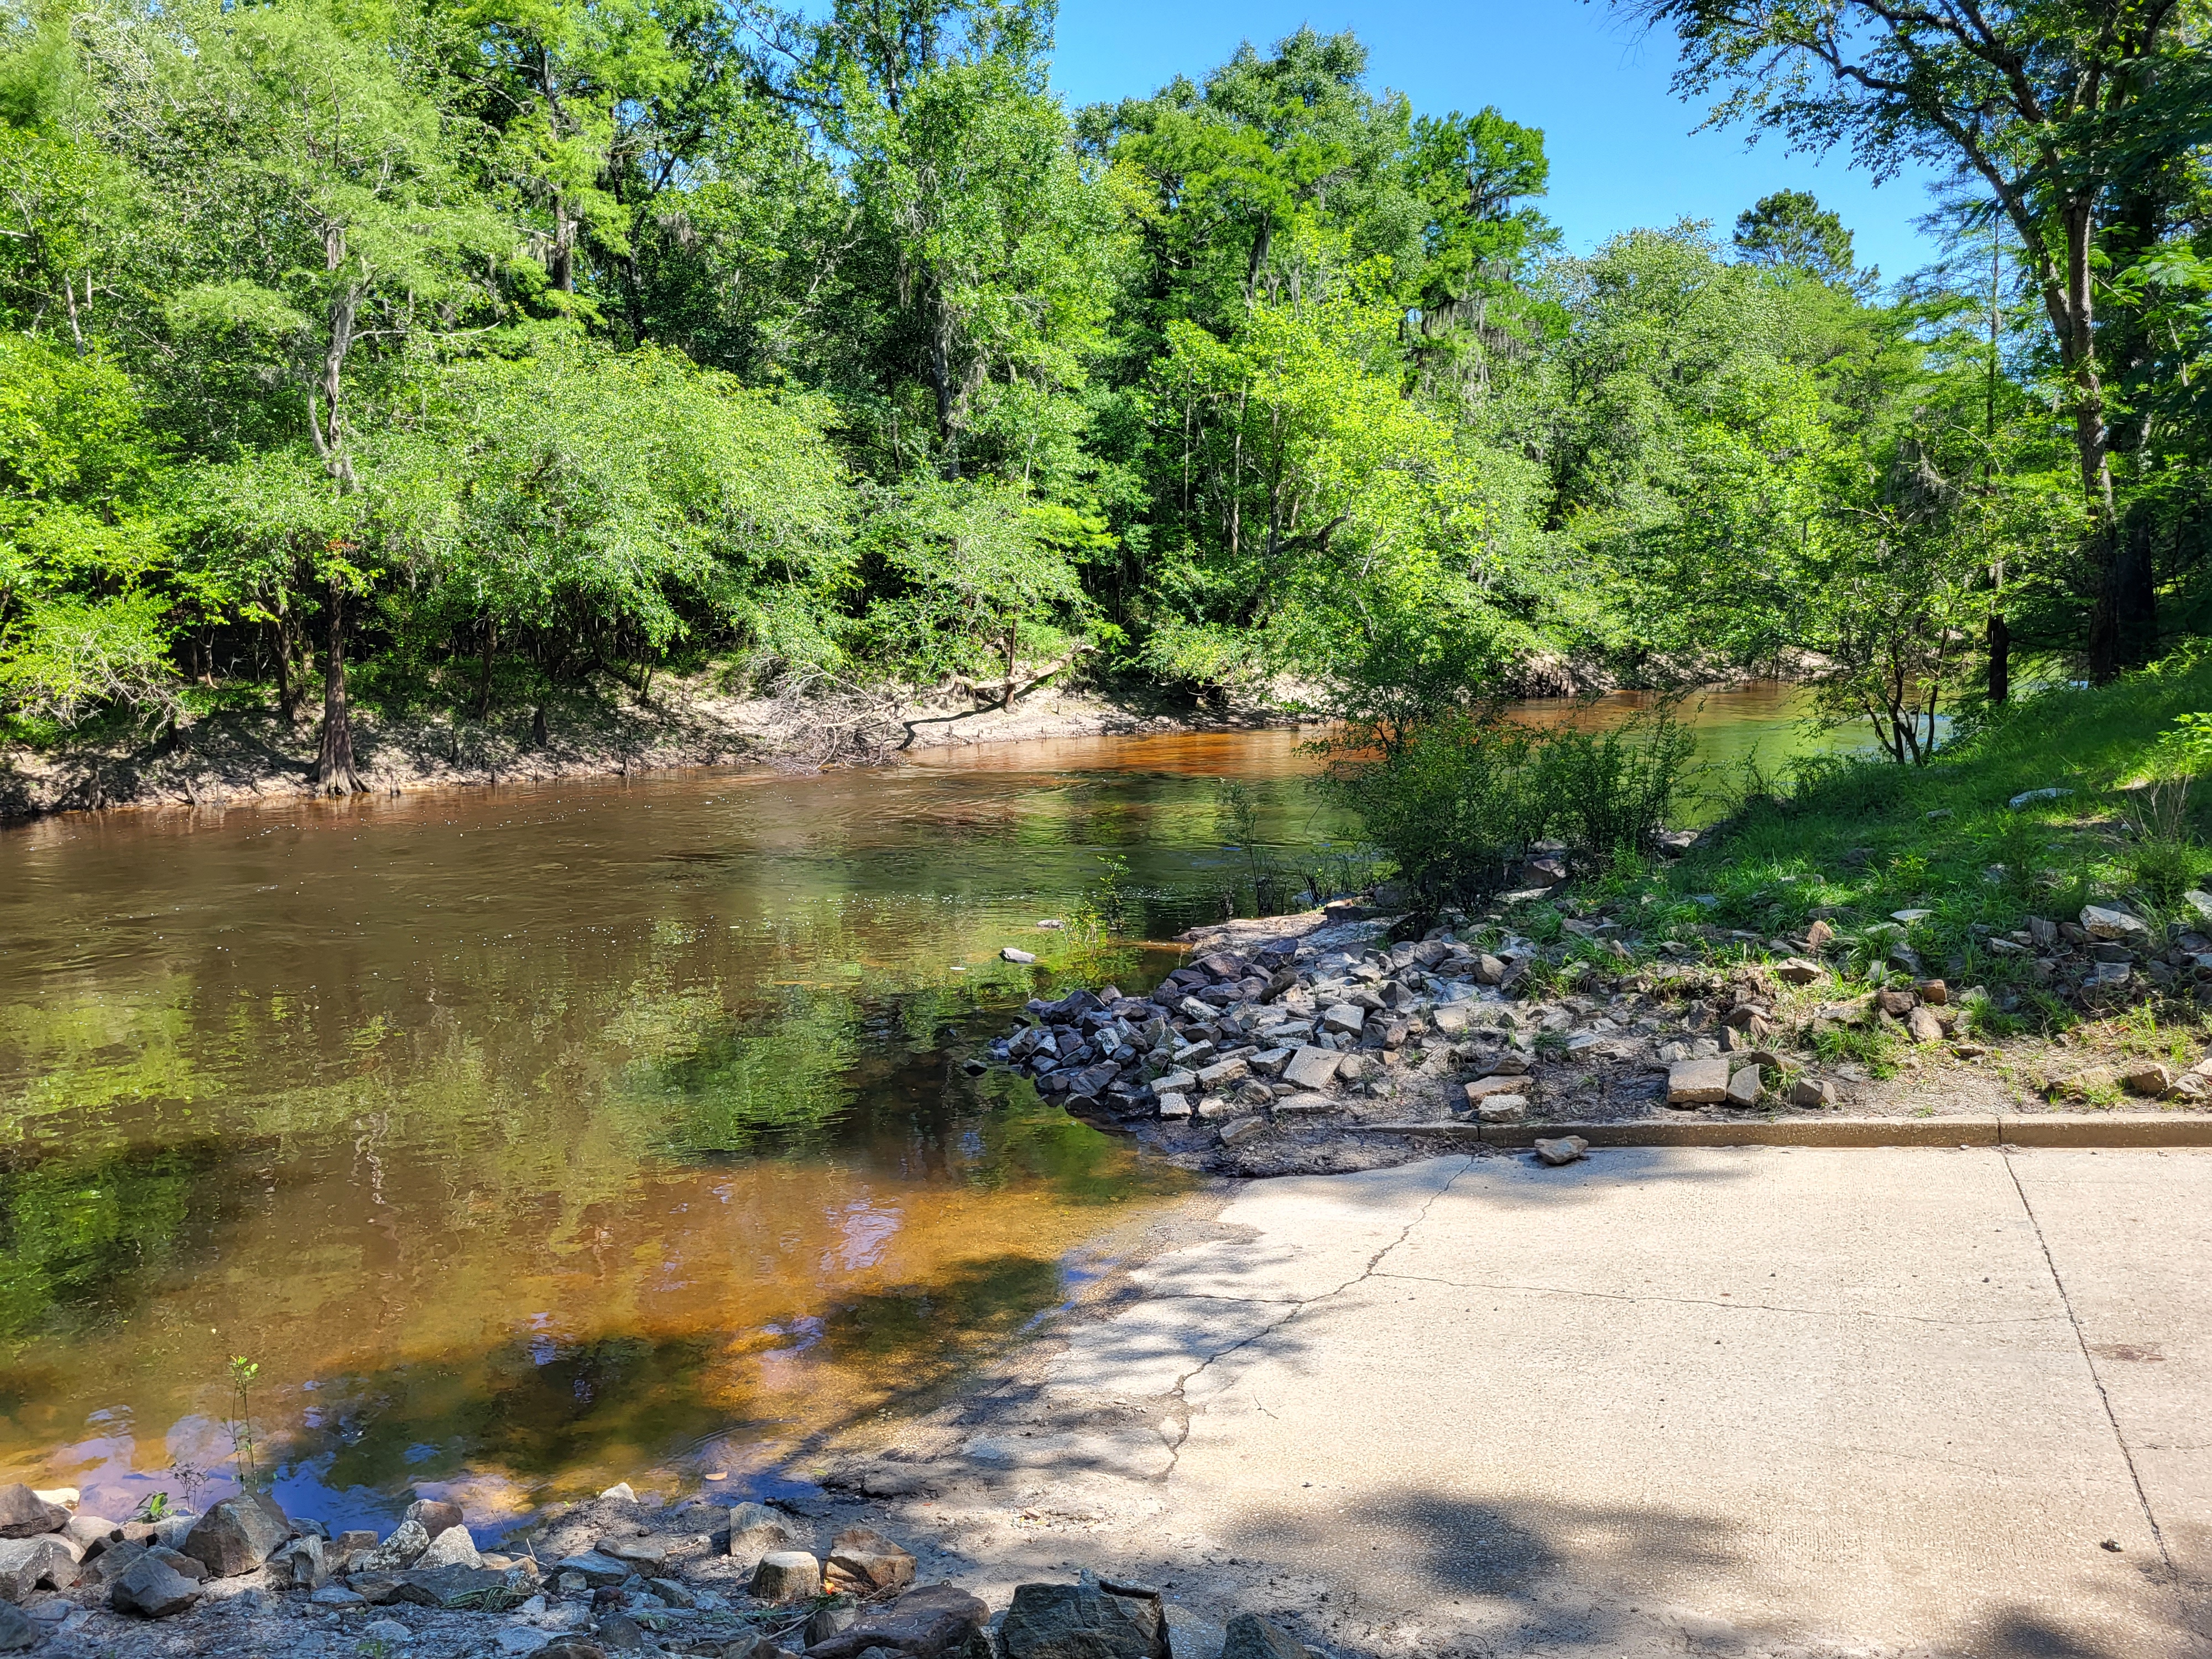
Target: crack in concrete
x=2089, y=1359
x=1296, y=1305
x=1706, y=1302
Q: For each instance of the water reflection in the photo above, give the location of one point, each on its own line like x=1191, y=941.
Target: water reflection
x=538, y=1136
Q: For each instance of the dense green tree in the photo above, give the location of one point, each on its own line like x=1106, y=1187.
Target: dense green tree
x=2064, y=114
x=1790, y=230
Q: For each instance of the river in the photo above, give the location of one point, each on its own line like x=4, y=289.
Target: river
x=533, y=1138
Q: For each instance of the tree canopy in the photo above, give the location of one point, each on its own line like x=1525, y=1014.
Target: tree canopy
x=479, y=348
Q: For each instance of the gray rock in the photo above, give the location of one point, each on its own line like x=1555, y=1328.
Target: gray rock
x=90, y=1534
x=1311, y=1067
x=24, y=1514
x=755, y=1529
x=1503, y=1109
x=595, y=1568
x=152, y=1588
x=402, y=1549
x=238, y=1534
x=828, y=1622
x=434, y=1514
x=865, y=1562
x=619, y=1634
x=1244, y=1129
x=670, y=1593
x=1083, y=1622
x=1700, y=1081
x=1810, y=1095
x=180, y=1562
x=1174, y=1104
x=338, y=1596
x=26, y=1562
x=2101, y=923
x=1023, y=956
x=114, y=1561
x=1744, y=1086
x=1190, y=1634
x=386, y=1630
x=1223, y=1072
x=1251, y=1637
x=302, y=1564
x=1567, y=1149
x=928, y=1622
x=1922, y=1026
x=450, y=1547
x=1346, y=1017
x=1484, y=1087
x=786, y=1576
x=19, y=1633
x=639, y=1551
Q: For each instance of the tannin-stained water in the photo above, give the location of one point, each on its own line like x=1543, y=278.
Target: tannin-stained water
x=538, y=1137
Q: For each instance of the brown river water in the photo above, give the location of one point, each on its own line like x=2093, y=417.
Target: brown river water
x=538, y=1137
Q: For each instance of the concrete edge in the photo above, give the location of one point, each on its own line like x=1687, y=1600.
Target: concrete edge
x=2101, y=1129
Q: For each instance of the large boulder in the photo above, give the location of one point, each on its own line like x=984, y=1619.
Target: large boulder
x=26, y=1562
x=24, y=1514
x=926, y=1623
x=19, y=1633
x=865, y=1562
x=1084, y=1621
x=152, y=1588
x=1251, y=1637
x=238, y=1534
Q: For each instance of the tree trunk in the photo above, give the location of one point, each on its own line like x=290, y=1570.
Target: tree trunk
x=2000, y=643
x=334, y=771
x=483, y=673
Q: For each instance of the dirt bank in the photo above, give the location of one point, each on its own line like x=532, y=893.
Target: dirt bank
x=257, y=755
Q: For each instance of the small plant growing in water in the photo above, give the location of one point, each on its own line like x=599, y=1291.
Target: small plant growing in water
x=243, y=1372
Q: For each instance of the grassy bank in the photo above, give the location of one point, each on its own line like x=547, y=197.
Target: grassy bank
x=1890, y=876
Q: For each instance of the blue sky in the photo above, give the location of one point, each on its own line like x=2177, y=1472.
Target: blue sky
x=1621, y=145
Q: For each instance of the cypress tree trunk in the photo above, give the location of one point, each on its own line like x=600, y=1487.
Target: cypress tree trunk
x=334, y=770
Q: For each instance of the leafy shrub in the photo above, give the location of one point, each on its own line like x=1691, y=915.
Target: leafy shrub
x=1459, y=804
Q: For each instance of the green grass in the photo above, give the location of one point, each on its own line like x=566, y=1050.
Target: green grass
x=1851, y=841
